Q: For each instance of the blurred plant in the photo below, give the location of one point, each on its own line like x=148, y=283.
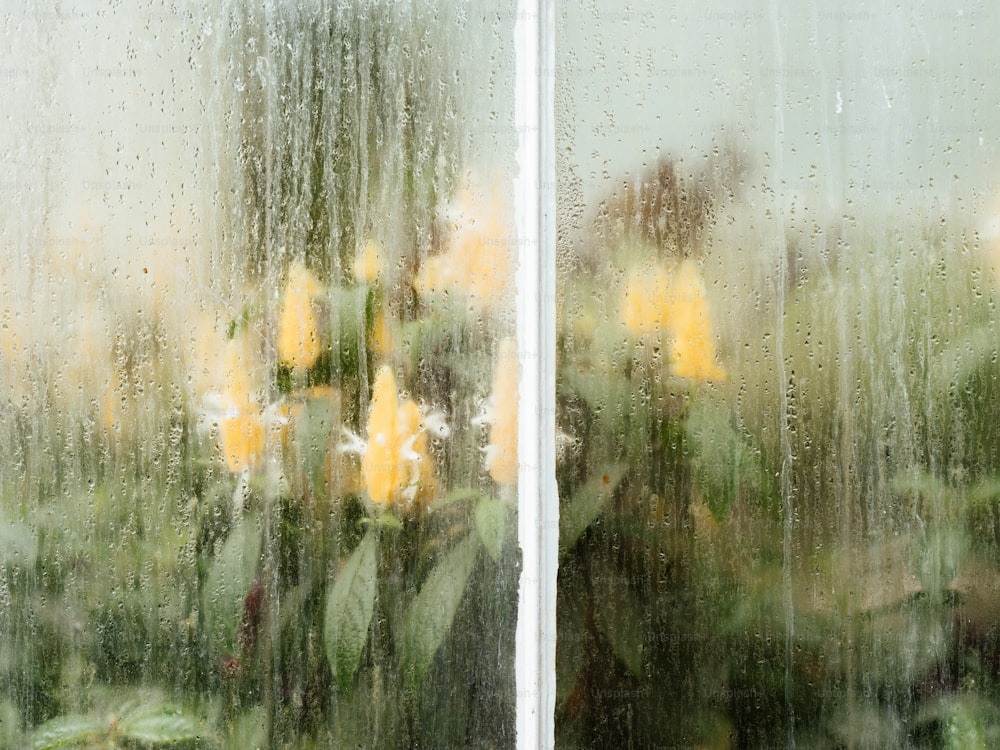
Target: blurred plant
x=478, y=260
x=298, y=342
x=193, y=554
x=396, y=467
x=756, y=561
x=656, y=301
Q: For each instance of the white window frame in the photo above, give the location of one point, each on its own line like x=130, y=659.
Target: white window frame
x=538, y=507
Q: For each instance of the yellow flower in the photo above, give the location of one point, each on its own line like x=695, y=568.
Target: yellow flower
x=298, y=329
x=395, y=465
x=693, y=349
x=368, y=264
x=242, y=441
x=225, y=374
x=645, y=306
x=418, y=482
x=241, y=426
x=380, y=463
x=501, y=452
x=479, y=260
x=674, y=303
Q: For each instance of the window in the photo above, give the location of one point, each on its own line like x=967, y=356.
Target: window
x=777, y=368
x=260, y=376
x=453, y=374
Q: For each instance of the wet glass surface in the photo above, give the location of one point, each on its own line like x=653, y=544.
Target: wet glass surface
x=777, y=373
x=258, y=426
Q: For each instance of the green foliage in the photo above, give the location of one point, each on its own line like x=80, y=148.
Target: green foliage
x=822, y=550
x=137, y=718
x=725, y=467
x=621, y=619
x=429, y=617
x=134, y=552
x=69, y=730
x=349, y=608
x=586, y=505
x=229, y=579
x=493, y=525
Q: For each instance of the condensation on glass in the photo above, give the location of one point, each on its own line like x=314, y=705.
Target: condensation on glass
x=778, y=375
x=258, y=426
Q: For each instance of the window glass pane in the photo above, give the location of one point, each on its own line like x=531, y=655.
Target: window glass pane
x=258, y=434
x=777, y=375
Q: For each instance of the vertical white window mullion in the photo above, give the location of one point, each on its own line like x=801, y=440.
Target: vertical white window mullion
x=538, y=508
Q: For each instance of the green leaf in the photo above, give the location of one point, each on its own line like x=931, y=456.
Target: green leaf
x=985, y=494
x=428, y=618
x=313, y=425
x=586, y=505
x=229, y=580
x=159, y=725
x=349, y=608
x=940, y=555
x=964, y=731
x=602, y=391
x=491, y=525
x=68, y=730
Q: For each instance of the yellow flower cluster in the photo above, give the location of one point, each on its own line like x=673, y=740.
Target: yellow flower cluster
x=479, y=260
x=674, y=302
x=226, y=379
x=298, y=329
x=501, y=452
x=241, y=423
x=396, y=466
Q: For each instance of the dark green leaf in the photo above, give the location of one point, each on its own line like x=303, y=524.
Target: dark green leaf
x=349, y=608
x=586, y=504
x=429, y=617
